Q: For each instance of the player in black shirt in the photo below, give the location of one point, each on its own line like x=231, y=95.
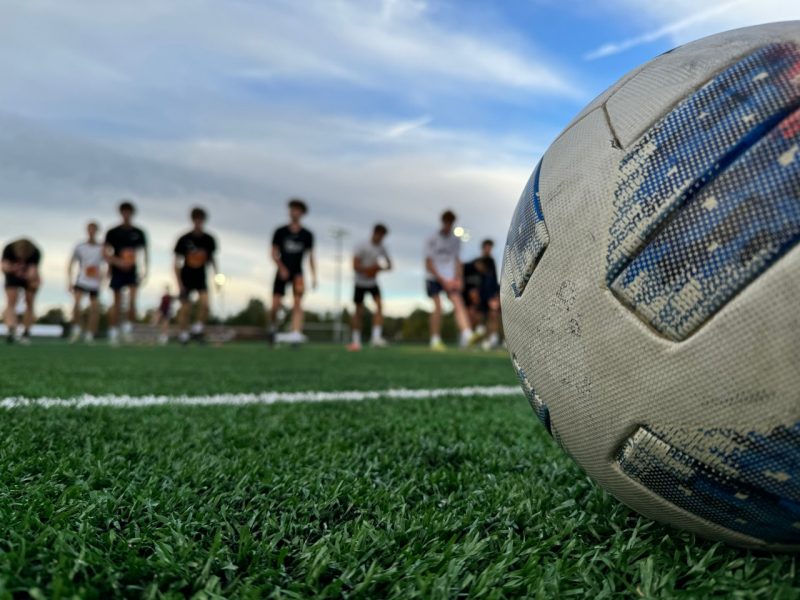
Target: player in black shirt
x=194, y=253
x=20, y=264
x=290, y=245
x=482, y=294
x=123, y=245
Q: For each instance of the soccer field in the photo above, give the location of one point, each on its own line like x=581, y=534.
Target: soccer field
x=432, y=498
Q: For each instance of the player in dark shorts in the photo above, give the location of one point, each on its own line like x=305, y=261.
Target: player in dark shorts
x=194, y=253
x=482, y=295
x=123, y=245
x=290, y=245
x=20, y=265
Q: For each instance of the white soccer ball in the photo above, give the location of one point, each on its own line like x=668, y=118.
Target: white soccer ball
x=651, y=288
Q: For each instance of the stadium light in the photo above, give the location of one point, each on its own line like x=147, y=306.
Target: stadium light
x=459, y=231
x=220, y=279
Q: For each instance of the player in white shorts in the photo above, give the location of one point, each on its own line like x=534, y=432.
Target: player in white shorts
x=369, y=259
x=89, y=258
x=445, y=273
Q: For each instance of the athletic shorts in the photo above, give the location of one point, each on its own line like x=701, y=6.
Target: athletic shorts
x=433, y=288
x=12, y=281
x=123, y=279
x=93, y=293
x=362, y=291
x=193, y=282
x=279, y=287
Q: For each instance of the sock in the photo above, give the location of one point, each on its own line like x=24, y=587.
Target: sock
x=89, y=337
x=357, y=337
x=466, y=335
x=197, y=328
x=183, y=336
x=127, y=327
x=377, y=332
x=494, y=339
x=436, y=339
x=113, y=333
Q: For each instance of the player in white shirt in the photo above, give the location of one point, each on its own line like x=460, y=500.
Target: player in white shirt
x=369, y=259
x=445, y=273
x=89, y=258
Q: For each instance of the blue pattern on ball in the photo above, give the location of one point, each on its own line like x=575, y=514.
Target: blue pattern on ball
x=710, y=197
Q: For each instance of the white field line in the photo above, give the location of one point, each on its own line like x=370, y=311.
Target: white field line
x=112, y=400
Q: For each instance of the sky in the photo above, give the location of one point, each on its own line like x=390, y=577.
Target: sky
x=371, y=110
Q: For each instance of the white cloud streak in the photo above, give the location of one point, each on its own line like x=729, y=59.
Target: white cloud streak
x=705, y=17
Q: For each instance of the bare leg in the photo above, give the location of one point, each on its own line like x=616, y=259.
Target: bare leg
x=356, y=322
x=494, y=316
x=116, y=309
x=30, y=299
x=202, y=308
x=436, y=317
x=76, y=310
x=183, y=315
x=377, y=318
x=276, y=307
x=94, y=315
x=462, y=317
x=12, y=297
x=297, y=308
x=133, y=293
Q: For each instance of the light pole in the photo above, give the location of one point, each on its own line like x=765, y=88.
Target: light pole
x=339, y=234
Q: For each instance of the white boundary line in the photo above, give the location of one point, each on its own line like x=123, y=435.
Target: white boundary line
x=111, y=400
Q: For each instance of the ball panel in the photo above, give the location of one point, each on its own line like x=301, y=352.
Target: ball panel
x=689, y=147
x=721, y=240
x=745, y=482
x=527, y=238
x=669, y=79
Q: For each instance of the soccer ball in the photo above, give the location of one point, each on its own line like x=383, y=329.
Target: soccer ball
x=651, y=287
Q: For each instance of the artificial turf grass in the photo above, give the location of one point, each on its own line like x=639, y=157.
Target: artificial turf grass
x=61, y=370
x=440, y=498
x=429, y=499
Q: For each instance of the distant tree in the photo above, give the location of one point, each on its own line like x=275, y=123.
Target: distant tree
x=254, y=314
x=54, y=316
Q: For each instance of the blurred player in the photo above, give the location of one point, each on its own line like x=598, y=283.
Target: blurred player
x=369, y=259
x=89, y=258
x=20, y=265
x=164, y=316
x=444, y=273
x=123, y=245
x=482, y=295
x=290, y=245
x=194, y=253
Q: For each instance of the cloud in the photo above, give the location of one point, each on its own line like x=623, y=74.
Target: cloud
x=712, y=17
x=664, y=31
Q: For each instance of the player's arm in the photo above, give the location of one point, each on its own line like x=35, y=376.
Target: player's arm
x=388, y=260
x=177, y=264
x=283, y=272
x=431, y=268
x=357, y=265
x=111, y=256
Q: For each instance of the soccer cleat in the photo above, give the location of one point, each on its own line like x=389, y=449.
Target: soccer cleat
x=438, y=346
x=354, y=347
x=163, y=339
x=379, y=343
x=24, y=341
x=75, y=336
